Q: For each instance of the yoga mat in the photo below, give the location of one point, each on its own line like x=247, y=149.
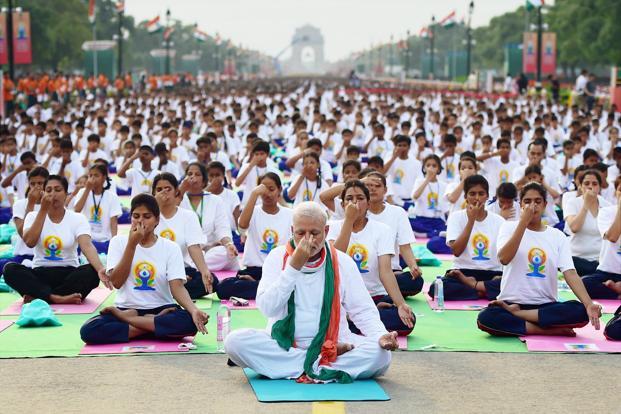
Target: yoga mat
x=138, y=346
x=89, y=305
x=225, y=274
x=587, y=339
x=608, y=305
x=251, y=305
x=443, y=256
x=403, y=342
x=5, y=324
x=269, y=390
x=463, y=305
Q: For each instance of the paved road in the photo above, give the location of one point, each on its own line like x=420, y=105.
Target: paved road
x=417, y=382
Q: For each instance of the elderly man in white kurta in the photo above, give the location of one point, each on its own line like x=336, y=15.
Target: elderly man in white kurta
x=307, y=291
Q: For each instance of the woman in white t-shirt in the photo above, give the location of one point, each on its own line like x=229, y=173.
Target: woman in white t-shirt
x=429, y=205
x=36, y=183
x=55, y=234
x=220, y=251
x=581, y=218
x=218, y=186
x=471, y=233
x=307, y=185
x=100, y=206
x=267, y=226
x=181, y=226
x=148, y=273
x=532, y=253
x=605, y=282
x=371, y=245
x=455, y=190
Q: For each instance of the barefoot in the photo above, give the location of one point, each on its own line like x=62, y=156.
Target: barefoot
x=165, y=311
x=567, y=332
x=341, y=348
x=28, y=298
x=122, y=315
x=246, y=277
x=466, y=280
x=74, y=298
x=614, y=286
x=384, y=305
x=509, y=308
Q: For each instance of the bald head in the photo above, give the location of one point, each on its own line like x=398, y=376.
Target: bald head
x=310, y=210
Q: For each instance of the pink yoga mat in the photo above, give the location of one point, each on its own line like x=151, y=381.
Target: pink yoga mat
x=403, y=342
x=138, y=346
x=609, y=305
x=225, y=274
x=586, y=340
x=251, y=305
x=89, y=305
x=440, y=256
x=5, y=324
x=465, y=305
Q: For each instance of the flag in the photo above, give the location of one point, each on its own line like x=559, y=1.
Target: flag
x=91, y=11
x=449, y=21
x=424, y=32
x=200, y=35
x=168, y=32
x=153, y=25
x=120, y=6
x=533, y=4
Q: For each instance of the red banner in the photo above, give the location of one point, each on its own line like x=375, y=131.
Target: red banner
x=22, y=46
x=548, y=57
x=4, y=52
x=529, y=53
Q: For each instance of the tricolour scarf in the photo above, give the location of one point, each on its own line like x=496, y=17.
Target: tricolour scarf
x=324, y=343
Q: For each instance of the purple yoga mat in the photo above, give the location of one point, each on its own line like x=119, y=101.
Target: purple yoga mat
x=251, y=305
x=609, y=305
x=89, y=305
x=225, y=274
x=403, y=342
x=587, y=339
x=465, y=305
x=5, y=324
x=138, y=346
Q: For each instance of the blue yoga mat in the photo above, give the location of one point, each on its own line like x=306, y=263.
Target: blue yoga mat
x=269, y=390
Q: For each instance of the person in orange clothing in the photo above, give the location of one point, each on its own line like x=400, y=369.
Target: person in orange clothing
x=62, y=88
x=102, y=84
x=128, y=81
x=52, y=89
x=91, y=86
x=31, y=90
x=79, y=85
x=119, y=85
x=9, y=95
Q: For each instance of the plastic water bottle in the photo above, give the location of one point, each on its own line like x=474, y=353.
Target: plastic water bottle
x=224, y=323
x=438, y=294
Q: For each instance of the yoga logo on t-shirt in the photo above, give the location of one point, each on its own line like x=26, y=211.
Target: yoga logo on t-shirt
x=450, y=171
x=168, y=234
x=270, y=240
x=307, y=195
x=536, y=262
x=53, y=248
x=95, y=215
x=432, y=201
x=398, y=176
x=144, y=276
x=503, y=175
x=359, y=253
x=480, y=244
x=146, y=183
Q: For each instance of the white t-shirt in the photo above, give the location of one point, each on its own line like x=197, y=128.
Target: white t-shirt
x=382, y=148
x=494, y=207
x=308, y=191
x=265, y=233
x=58, y=243
x=231, y=202
x=19, y=211
x=182, y=229
x=610, y=254
x=211, y=216
x=531, y=277
x=397, y=219
x=587, y=242
x=253, y=175
x=498, y=172
x=480, y=252
x=108, y=206
x=72, y=171
x=450, y=172
x=431, y=203
x=147, y=286
x=140, y=181
x=402, y=175
x=458, y=205
x=376, y=239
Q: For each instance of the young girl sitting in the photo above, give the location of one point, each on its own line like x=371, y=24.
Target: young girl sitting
x=267, y=226
x=429, y=205
x=100, y=206
x=218, y=186
x=307, y=185
x=149, y=274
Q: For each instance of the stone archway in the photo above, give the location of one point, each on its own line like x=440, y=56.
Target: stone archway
x=307, y=55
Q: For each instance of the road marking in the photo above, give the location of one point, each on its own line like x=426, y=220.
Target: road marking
x=328, y=407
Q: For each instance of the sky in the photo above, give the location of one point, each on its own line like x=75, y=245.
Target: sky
x=347, y=25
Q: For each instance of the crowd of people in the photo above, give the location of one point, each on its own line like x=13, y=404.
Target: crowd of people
x=324, y=190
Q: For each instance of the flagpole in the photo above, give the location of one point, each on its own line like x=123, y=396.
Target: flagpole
x=95, y=69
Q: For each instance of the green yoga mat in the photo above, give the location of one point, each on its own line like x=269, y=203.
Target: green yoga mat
x=453, y=331
x=269, y=390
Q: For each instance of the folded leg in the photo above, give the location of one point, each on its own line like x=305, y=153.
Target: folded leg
x=217, y=258
x=594, y=285
x=409, y=286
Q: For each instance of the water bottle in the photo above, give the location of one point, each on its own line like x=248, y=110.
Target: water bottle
x=14, y=238
x=411, y=212
x=224, y=322
x=438, y=294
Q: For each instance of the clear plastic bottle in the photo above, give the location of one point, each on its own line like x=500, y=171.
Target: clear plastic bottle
x=438, y=295
x=224, y=324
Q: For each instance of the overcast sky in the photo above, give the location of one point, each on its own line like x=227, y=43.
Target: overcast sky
x=347, y=25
